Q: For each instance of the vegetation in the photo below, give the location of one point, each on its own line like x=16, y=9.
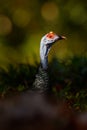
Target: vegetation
x=68, y=80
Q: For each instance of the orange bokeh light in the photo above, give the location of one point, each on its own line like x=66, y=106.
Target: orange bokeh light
x=49, y=11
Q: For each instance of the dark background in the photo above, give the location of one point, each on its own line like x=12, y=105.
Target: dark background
x=24, y=22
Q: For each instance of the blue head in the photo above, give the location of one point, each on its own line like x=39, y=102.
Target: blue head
x=46, y=43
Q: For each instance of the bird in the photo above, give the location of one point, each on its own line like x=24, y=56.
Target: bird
x=41, y=82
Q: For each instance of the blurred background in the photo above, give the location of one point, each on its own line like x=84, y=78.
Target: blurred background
x=24, y=22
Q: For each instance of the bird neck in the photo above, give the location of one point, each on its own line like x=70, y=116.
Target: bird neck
x=44, y=62
x=43, y=57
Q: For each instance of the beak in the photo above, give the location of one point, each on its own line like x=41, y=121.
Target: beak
x=62, y=37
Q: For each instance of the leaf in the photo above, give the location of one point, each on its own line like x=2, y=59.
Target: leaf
x=20, y=88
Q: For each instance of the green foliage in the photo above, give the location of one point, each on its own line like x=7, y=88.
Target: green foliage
x=72, y=72
x=68, y=80
x=16, y=77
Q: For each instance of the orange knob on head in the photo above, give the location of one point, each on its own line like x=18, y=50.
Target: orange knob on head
x=51, y=35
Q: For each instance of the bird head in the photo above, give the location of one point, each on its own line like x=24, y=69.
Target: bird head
x=47, y=41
